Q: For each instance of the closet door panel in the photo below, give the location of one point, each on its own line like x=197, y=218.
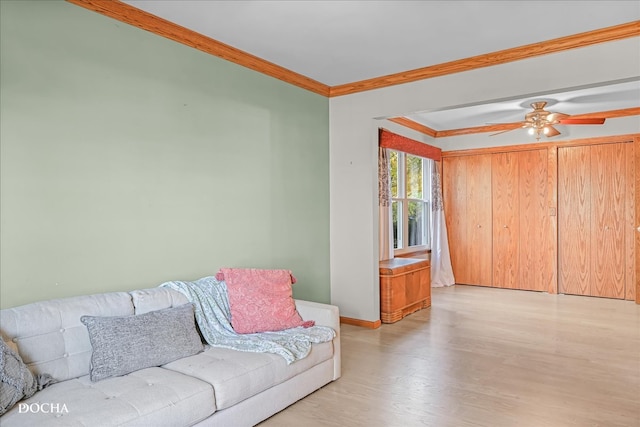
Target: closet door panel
x=608, y=166
x=533, y=265
x=454, y=171
x=479, y=219
x=504, y=183
x=574, y=220
x=630, y=218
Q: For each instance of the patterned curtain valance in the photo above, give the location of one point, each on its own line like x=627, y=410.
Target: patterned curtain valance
x=401, y=143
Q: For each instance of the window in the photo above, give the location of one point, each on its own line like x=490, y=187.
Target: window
x=410, y=197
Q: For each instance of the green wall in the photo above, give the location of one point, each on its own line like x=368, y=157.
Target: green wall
x=128, y=160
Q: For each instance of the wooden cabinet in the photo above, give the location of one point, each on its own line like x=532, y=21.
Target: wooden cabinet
x=405, y=287
x=593, y=205
x=467, y=201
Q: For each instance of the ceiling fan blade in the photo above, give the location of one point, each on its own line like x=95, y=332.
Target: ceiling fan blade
x=552, y=131
x=514, y=124
x=570, y=121
x=556, y=117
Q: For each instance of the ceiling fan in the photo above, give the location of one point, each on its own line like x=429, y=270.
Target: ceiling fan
x=541, y=122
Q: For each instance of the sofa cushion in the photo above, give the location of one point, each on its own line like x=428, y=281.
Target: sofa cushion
x=149, y=397
x=146, y=300
x=49, y=336
x=236, y=376
x=124, y=344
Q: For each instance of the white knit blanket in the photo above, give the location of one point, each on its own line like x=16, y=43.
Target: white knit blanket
x=214, y=319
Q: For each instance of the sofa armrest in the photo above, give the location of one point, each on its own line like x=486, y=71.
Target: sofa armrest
x=324, y=315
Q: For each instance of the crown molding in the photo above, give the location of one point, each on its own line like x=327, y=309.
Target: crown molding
x=133, y=16
x=128, y=14
x=613, y=139
x=617, y=32
x=403, y=121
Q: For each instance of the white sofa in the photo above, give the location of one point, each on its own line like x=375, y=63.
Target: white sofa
x=216, y=387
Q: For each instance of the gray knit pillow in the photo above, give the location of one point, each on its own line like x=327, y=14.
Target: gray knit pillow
x=16, y=380
x=124, y=344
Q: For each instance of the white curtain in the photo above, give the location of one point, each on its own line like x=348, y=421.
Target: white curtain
x=384, y=201
x=441, y=270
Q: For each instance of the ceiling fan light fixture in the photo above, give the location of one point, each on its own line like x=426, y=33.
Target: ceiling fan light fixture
x=540, y=122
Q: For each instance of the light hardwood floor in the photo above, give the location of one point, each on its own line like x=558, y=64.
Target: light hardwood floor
x=487, y=357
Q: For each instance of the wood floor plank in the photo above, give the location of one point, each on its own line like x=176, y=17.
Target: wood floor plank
x=487, y=357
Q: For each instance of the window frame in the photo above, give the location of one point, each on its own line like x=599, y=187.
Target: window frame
x=403, y=220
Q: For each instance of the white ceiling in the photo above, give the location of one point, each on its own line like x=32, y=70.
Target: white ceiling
x=580, y=101
x=340, y=42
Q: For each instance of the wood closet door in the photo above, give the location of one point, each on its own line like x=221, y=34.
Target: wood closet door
x=608, y=220
x=593, y=201
x=520, y=220
x=504, y=169
x=574, y=220
x=479, y=219
x=467, y=206
x=534, y=265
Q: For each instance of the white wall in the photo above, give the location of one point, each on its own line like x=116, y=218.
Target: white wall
x=353, y=145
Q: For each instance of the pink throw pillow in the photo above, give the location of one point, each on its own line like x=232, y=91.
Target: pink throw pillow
x=261, y=300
